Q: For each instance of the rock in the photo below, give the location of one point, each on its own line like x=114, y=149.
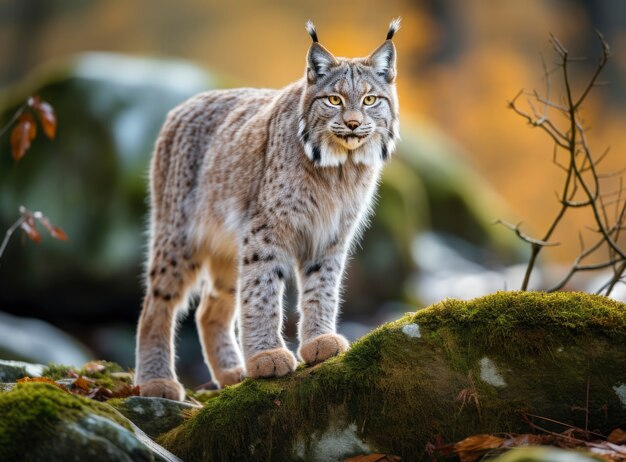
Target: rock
x=452, y=370
x=30, y=340
x=10, y=371
x=153, y=415
x=6, y=386
x=43, y=422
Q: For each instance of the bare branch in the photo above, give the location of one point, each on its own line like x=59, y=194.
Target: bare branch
x=581, y=187
x=516, y=229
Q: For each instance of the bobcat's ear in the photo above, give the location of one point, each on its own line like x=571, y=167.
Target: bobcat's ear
x=383, y=59
x=319, y=59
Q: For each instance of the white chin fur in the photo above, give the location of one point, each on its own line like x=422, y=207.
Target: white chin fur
x=333, y=154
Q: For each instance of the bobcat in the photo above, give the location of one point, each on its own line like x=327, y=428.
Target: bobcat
x=247, y=184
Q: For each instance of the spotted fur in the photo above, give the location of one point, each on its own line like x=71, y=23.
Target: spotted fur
x=249, y=186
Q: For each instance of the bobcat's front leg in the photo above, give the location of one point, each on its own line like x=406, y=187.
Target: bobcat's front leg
x=318, y=306
x=262, y=273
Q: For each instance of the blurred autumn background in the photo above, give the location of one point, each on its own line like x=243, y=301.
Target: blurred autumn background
x=112, y=69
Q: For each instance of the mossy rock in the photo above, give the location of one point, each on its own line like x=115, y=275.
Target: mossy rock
x=10, y=371
x=448, y=371
x=43, y=422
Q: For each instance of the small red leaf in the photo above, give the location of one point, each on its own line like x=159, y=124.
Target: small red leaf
x=22, y=135
x=28, y=226
x=54, y=231
x=46, y=115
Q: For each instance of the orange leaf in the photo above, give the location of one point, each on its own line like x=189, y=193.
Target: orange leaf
x=617, y=436
x=22, y=135
x=473, y=447
x=28, y=226
x=54, y=231
x=46, y=115
x=82, y=384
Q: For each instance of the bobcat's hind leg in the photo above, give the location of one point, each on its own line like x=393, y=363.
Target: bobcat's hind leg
x=170, y=274
x=215, y=319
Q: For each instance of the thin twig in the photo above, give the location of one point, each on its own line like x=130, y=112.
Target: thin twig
x=581, y=186
x=18, y=113
x=10, y=232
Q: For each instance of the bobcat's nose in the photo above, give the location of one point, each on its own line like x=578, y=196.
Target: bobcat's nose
x=352, y=124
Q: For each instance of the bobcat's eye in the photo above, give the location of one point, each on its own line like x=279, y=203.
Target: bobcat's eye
x=369, y=100
x=334, y=100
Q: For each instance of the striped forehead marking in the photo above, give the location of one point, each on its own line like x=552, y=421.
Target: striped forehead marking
x=351, y=81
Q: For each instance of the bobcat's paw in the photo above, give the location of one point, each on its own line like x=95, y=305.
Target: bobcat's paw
x=229, y=376
x=162, y=388
x=271, y=363
x=323, y=347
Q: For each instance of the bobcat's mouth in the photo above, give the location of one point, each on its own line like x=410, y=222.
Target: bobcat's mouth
x=351, y=141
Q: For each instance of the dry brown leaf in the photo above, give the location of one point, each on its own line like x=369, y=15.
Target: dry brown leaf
x=374, y=458
x=29, y=228
x=56, y=233
x=473, y=448
x=124, y=390
x=46, y=115
x=617, y=436
x=81, y=383
x=22, y=134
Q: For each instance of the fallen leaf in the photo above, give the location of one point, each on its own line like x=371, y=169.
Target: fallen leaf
x=473, y=448
x=22, y=134
x=100, y=394
x=617, y=436
x=124, y=390
x=81, y=383
x=46, y=115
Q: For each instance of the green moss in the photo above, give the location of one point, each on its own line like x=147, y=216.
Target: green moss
x=400, y=391
x=56, y=371
x=504, y=315
x=31, y=410
x=202, y=396
x=110, y=374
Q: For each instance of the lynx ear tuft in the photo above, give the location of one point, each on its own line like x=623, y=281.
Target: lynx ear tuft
x=394, y=26
x=310, y=28
x=319, y=59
